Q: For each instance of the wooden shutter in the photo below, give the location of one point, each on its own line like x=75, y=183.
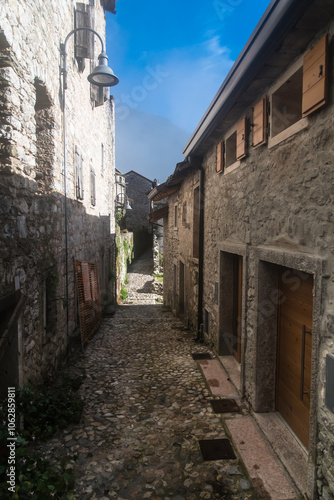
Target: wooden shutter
x=241, y=139
x=260, y=123
x=78, y=174
x=92, y=188
x=220, y=156
x=315, y=77
x=84, y=40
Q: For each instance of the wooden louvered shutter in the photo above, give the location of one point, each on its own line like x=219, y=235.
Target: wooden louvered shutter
x=84, y=40
x=315, y=77
x=79, y=174
x=241, y=139
x=220, y=156
x=92, y=188
x=260, y=123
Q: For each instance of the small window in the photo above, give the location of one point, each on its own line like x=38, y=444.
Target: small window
x=175, y=215
x=231, y=149
x=92, y=188
x=79, y=174
x=287, y=103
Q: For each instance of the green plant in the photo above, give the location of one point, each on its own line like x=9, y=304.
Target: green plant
x=48, y=410
x=37, y=478
x=123, y=293
x=44, y=411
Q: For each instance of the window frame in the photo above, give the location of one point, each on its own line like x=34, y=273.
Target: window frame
x=296, y=127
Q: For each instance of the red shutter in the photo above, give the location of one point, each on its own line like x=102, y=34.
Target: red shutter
x=241, y=139
x=260, y=123
x=315, y=77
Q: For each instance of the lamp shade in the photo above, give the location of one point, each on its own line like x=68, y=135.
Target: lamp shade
x=102, y=75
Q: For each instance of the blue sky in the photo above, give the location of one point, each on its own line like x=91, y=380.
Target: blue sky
x=171, y=59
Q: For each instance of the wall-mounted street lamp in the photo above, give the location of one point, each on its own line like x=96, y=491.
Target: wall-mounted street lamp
x=102, y=76
x=123, y=204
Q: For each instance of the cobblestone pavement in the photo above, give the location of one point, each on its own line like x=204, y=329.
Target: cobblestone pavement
x=147, y=405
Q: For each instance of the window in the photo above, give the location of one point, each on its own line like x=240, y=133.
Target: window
x=231, y=149
x=79, y=174
x=287, y=103
x=92, y=188
x=302, y=90
x=175, y=216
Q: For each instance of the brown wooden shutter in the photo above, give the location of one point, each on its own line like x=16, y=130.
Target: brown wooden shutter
x=241, y=139
x=84, y=40
x=220, y=156
x=315, y=77
x=260, y=123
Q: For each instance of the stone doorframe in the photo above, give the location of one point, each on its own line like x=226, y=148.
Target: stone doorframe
x=267, y=262
x=224, y=297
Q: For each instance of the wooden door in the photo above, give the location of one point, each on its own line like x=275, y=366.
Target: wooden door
x=294, y=352
x=237, y=294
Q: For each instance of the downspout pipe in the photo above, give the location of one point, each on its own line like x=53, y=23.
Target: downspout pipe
x=196, y=162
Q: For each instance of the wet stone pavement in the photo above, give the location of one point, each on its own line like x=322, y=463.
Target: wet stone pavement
x=147, y=405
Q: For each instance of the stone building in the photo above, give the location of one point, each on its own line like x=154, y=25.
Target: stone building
x=137, y=189
x=249, y=236
x=50, y=214
x=137, y=218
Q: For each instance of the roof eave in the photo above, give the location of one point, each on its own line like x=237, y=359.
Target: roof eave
x=273, y=25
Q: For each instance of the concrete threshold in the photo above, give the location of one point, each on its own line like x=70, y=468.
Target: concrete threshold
x=271, y=479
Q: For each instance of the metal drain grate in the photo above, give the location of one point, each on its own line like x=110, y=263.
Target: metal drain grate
x=224, y=406
x=201, y=355
x=216, y=449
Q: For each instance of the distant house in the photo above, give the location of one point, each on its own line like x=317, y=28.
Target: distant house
x=137, y=218
x=249, y=233
x=50, y=215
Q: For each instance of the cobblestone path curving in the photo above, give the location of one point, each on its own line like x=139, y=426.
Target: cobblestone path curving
x=147, y=406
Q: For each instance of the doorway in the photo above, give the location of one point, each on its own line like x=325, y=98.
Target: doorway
x=230, y=305
x=294, y=351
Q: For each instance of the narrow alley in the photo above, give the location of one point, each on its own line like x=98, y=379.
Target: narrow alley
x=147, y=407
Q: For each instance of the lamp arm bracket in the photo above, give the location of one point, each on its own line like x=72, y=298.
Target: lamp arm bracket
x=75, y=30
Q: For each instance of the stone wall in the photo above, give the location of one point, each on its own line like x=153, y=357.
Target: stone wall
x=124, y=256
x=136, y=190
x=41, y=238
x=178, y=252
